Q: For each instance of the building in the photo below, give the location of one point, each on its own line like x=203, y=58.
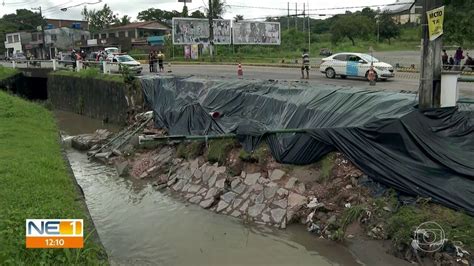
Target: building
x=14, y=42
x=59, y=35
x=405, y=13
x=67, y=23
x=133, y=35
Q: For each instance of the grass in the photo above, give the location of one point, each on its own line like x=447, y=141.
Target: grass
x=259, y=155
x=456, y=225
x=90, y=73
x=7, y=72
x=326, y=165
x=219, y=149
x=35, y=183
x=190, y=150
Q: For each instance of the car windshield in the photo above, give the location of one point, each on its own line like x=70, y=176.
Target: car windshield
x=112, y=50
x=369, y=58
x=19, y=54
x=125, y=58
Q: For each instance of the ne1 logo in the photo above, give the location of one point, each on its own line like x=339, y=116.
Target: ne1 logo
x=54, y=233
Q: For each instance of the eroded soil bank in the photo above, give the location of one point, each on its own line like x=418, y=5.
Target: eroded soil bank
x=334, y=199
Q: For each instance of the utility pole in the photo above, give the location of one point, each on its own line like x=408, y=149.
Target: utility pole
x=309, y=31
x=44, y=52
x=430, y=78
x=211, y=31
x=296, y=16
x=288, y=18
x=304, y=15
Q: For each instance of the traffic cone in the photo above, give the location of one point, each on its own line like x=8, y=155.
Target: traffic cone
x=169, y=67
x=240, y=71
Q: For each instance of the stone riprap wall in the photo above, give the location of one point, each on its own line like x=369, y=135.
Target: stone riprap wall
x=95, y=98
x=270, y=198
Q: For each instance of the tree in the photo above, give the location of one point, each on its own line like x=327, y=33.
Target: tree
x=23, y=19
x=458, y=22
x=198, y=14
x=238, y=18
x=154, y=14
x=218, y=8
x=351, y=26
x=388, y=29
x=100, y=19
x=185, y=12
x=125, y=20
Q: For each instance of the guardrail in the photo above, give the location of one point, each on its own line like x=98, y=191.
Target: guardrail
x=78, y=65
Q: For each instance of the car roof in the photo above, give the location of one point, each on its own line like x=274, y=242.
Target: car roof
x=349, y=53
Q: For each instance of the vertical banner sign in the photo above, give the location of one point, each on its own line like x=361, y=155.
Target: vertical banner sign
x=435, y=22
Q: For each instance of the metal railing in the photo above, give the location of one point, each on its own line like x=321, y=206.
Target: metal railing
x=105, y=67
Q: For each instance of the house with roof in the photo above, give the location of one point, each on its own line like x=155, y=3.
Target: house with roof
x=406, y=12
x=133, y=35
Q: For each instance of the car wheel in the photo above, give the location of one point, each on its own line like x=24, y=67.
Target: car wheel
x=343, y=76
x=330, y=73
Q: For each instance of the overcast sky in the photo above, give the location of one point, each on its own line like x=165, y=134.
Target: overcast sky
x=51, y=8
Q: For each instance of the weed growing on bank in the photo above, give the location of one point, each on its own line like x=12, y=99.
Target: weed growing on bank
x=7, y=72
x=35, y=183
x=90, y=73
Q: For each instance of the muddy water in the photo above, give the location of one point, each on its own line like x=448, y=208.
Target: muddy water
x=139, y=225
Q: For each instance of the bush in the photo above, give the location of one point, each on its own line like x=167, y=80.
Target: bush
x=190, y=150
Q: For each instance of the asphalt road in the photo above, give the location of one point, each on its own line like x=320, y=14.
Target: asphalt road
x=402, y=82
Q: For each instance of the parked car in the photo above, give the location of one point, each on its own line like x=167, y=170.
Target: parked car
x=130, y=62
x=325, y=52
x=18, y=57
x=356, y=65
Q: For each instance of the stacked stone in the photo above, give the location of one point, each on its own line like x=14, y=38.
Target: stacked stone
x=250, y=196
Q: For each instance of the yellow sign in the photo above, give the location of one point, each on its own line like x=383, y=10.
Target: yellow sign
x=435, y=22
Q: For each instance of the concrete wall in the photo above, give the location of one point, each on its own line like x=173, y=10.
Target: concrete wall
x=91, y=97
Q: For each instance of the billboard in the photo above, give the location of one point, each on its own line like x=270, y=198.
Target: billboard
x=194, y=31
x=255, y=32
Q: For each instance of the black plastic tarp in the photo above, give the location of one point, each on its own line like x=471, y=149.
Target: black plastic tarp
x=428, y=154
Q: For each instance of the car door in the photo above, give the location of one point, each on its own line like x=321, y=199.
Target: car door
x=353, y=65
x=339, y=65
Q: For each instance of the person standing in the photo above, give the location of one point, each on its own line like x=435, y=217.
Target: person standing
x=161, y=58
x=150, y=61
x=458, y=56
x=445, y=58
x=305, y=65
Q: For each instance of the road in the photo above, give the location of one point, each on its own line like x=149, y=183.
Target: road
x=402, y=82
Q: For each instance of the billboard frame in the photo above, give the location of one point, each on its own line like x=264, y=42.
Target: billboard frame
x=253, y=21
x=200, y=19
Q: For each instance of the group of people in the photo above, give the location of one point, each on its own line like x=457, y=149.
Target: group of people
x=454, y=62
x=155, y=58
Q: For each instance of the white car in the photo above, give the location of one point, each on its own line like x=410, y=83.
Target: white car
x=128, y=61
x=356, y=65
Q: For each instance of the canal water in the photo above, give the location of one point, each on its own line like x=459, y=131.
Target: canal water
x=139, y=225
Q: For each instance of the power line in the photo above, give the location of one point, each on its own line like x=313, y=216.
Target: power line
x=319, y=9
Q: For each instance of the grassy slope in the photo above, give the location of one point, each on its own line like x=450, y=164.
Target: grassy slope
x=34, y=183
x=6, y=72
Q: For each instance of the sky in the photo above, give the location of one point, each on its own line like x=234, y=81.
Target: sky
x=51, y=8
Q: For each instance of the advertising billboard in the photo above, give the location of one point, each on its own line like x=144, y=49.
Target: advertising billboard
x=195, y=31
x=255, y=32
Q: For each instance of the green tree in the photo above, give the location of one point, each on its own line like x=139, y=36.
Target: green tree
x=198, y=14
x=100, y=19
x=185, y=11
x=125, y=20
x=218, y=8
x=388, y=29
x=459, y=22
x=351, y=26
x=238, y=18
x=154, y=14
x=23, y=19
